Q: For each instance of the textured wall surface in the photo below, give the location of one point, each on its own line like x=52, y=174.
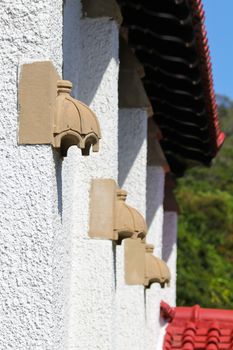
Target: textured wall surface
x=154, y=207
x=130, y=305
x=30, y=311
x=130, y=310
x=169, y=254
x=170, y=251
x=153, y=322
x=132, y=155
x=154, y=216
x=72, y=52
x=59, y=289
x=92, y=281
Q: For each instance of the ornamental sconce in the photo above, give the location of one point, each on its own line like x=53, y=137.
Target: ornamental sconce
x=74, y=123
x=142, y=267
x=129, y=223
x=110, y=216
x=49, y=115
x=156, y=270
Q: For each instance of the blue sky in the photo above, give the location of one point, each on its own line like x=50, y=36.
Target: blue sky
x=219, y=24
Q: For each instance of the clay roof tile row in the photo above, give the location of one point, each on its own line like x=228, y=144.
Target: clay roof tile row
x=195, y=328
x=206, y=70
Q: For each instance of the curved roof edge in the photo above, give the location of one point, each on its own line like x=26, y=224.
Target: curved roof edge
x=206, y=71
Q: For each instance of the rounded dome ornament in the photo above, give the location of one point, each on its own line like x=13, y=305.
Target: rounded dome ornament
x=156, y=270
x=74, y=123
x=128, y=221
x=48, y=115
x=110, y=216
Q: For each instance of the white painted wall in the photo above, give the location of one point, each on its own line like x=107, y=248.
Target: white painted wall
x=132, y=157
x=153, y=321
x=31, y=293
x=59, y=289
x=163, y=234
x=154, y=207
x=154, y=216
x=169, y=252
x=92, y=62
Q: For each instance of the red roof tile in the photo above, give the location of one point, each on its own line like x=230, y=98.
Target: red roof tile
x=195, y=328
x=206, y=69
x=169, y=38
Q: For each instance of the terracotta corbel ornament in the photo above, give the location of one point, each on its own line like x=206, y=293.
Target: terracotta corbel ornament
x=142, y=267
x=128, y=221
x=132, y=93
x=49, y=115
x=74, y=122
x=110, y=216
x=102, y=8
x=156, y=270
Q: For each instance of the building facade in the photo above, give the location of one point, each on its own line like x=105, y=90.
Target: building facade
x=62, y=288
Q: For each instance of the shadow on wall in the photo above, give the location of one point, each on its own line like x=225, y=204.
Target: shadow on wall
x=154, y=192
x=132, y=132
x=169, y=236
x=85, y=63
x=132, y=126
x=58, y=169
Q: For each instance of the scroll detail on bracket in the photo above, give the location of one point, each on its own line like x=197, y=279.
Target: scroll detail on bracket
x=49, y=115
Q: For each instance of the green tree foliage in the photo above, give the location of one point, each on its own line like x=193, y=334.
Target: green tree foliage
x=205, y=238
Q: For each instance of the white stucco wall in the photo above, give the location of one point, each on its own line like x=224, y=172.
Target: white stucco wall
x=72, y=53
x=31, y=293
x=92, y=280
x=154, y=207
x=154, y=323
x=132, y=156
x=154, y=216
x=59, y=289
x=169, y=253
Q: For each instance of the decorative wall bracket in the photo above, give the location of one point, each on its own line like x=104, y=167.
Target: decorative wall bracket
x=74, y=122
x=142, y=267
x=49, y=115
x=156, y=270
x=110, y=216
